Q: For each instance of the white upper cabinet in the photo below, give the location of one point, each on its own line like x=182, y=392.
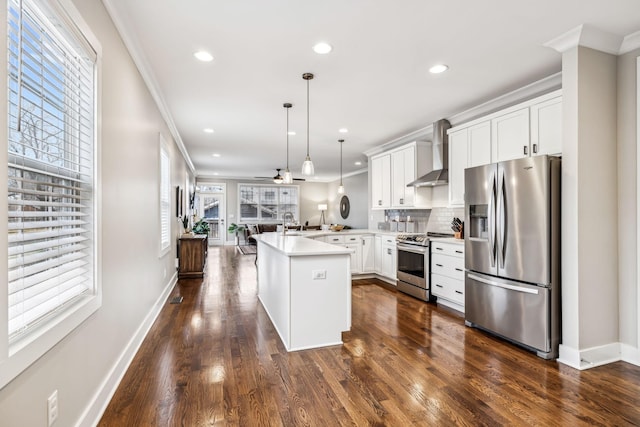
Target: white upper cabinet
x=381, y=182
x=510, y=135
x=531, y=128
x=393, y=170
x=469, y=146
x=458, y=161
x=546, y=126
x=403, y=166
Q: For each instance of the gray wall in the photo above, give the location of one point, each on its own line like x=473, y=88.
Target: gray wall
x=134, y=276
x=628, y=198
x=356, y=189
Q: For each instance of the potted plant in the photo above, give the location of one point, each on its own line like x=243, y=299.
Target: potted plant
x=201, y=227
x=185, y=224
x=236, y=228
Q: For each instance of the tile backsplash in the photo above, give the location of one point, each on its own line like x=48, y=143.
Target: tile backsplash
x=419, y=216
x=440, y=219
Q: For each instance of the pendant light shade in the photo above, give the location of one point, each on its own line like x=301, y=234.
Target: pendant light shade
x=287, y=179
x=307, y=166
x=341, y=187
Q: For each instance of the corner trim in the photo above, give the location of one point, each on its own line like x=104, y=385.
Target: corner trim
x=590, y=357
x=99, y=401
x=630, y=354
x=589, y=36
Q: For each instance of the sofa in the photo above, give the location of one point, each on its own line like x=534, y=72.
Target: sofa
x=253, y=229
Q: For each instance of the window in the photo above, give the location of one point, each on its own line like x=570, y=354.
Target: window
x=52, y=282
x=165, y=198
x=267, y=203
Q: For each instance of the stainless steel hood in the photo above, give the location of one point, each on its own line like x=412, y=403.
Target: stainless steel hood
x=440, y=145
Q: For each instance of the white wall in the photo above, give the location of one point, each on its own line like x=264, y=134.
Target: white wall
x=134, y=276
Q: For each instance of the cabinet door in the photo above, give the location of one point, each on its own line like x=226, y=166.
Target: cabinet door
x=457, y=164
x=510, y=136
x=356, y=257
x=389, y=261
x=377, y=254
x=403, y=167
x=546, y=127
x=368, y=257
x=381, y=182
x=479, y=144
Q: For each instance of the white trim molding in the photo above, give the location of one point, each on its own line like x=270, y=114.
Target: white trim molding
x=590, y=357
x=589, y=36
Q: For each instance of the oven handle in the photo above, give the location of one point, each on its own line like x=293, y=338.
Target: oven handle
x=412, y=249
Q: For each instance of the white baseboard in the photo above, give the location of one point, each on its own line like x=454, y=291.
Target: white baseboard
x=590, y=357
x=93, y=412
x=630, y=354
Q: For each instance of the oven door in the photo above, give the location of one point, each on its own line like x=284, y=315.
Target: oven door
x=413, y=265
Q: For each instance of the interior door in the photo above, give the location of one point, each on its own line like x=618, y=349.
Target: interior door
x=212, y=208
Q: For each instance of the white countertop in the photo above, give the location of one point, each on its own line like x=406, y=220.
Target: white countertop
x=300, y=245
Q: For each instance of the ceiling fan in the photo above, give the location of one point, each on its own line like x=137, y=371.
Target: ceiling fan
x=278, y=179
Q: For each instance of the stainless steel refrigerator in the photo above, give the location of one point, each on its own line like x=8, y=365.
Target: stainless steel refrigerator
x=512, y=251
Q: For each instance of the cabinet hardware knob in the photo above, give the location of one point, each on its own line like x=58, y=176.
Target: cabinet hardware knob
x=439, y=265
x=458, y=292
x=525, y=150
x=458, y=269
x=458, y=252
x=402, y=201
x=535, y=148
x=438, y=286
x=439, y=249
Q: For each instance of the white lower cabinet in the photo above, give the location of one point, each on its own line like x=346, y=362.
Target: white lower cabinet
x=389, y=259
x=377, y=254
x=447, y=273
x=368, y=256
x=356, y=257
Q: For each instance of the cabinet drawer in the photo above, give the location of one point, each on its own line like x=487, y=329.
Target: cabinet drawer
x=335, y=239
x=447, y=288
x=452, y=249
x=352, y=239
x=388, y=240
x=450, y=266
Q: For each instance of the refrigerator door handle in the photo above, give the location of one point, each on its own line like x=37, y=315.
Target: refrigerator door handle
x=502, y=218
x=503, y=285
x=492, y=221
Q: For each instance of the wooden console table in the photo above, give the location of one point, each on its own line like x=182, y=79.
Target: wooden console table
x=193, y=255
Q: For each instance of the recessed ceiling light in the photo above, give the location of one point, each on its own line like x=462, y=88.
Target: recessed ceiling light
x=322, y=48
x=291, y=132
x=216, y=155
x=208, y=130
x=216, y=173
x=343, y=130
x=438, y=68
x=203, y=56
x=358, y=163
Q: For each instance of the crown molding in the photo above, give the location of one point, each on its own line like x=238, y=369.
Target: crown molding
x=589, y=36
x=144, y=69
x=630, y=42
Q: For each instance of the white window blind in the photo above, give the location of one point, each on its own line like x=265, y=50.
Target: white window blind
x=165, y=196
x=267, y=202
x=51, y=165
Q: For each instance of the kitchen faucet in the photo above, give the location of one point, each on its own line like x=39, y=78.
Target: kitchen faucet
x=284, y=221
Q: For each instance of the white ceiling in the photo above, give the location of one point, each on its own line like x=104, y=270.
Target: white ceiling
x=375, y=82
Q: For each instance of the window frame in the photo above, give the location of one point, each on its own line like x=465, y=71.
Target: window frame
x=242, y=220
x=18, y=355
x=165, y=245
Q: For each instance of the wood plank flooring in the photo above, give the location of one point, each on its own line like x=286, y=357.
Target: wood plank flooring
x=216, y=359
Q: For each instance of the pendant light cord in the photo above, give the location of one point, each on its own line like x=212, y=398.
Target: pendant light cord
x=287, y=137
x=307, y=117
x=341, y=141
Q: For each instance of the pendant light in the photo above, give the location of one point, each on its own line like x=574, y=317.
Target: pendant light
x=341, y=187
x=307, y=166
x=288, y=179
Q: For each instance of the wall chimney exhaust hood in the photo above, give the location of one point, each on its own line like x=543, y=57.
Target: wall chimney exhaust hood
x=440, y=145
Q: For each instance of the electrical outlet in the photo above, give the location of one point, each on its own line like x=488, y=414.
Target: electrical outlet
x=52, y=408
x=319, y=274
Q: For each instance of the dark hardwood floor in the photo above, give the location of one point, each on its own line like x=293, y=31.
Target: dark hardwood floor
x=216, y=359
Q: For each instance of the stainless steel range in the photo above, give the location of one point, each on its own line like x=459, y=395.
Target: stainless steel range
x=413, y=265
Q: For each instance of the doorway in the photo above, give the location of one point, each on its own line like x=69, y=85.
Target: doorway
x=211, y=207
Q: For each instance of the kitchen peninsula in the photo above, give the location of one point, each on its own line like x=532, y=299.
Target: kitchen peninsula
x=305, y=287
